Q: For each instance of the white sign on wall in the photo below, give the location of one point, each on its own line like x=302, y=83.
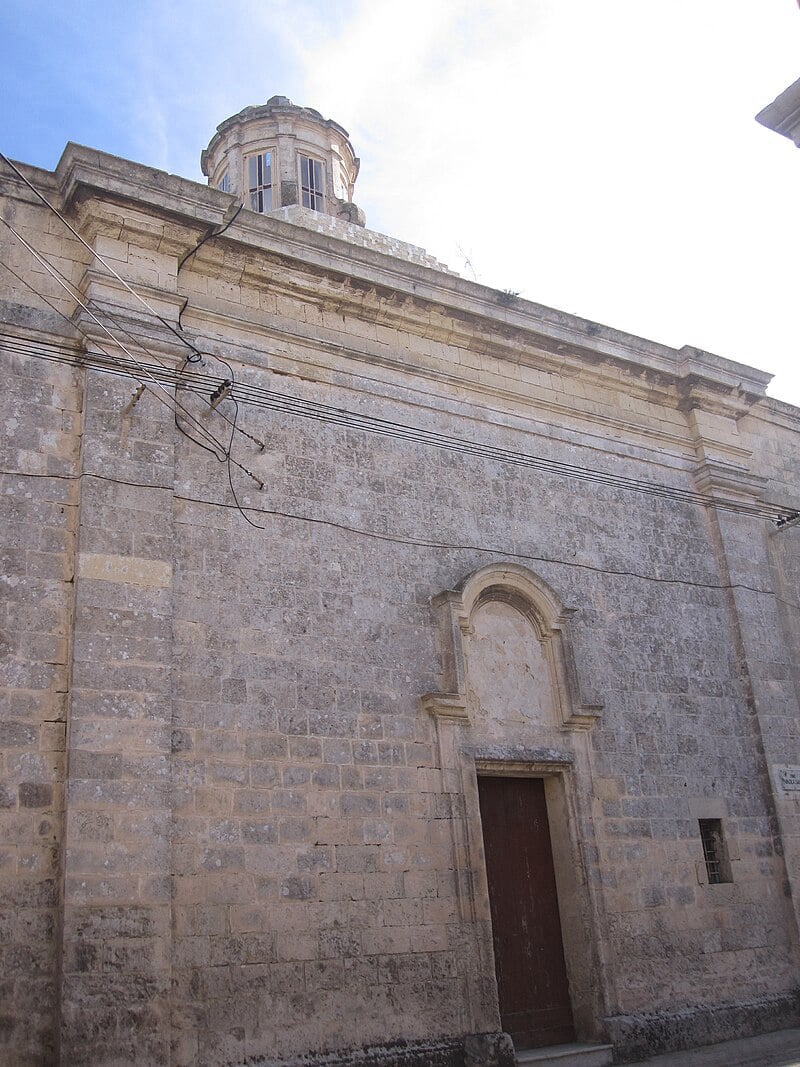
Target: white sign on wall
x=789, y=778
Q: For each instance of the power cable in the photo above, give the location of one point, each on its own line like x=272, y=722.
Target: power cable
x=352, y=420
x=68, y=287
x=98, y=257
x=194, y=355
x=417, y=542
x=215, y=231
x=172, y=403
x=388, y=428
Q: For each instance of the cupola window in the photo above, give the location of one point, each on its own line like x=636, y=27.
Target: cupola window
x=312, y=183
x=259, y=181
x=224, y=183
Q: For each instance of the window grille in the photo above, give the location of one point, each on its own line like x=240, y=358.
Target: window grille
x=259, y=181
x=312, y=183
x=224, y=183
x=715, y=853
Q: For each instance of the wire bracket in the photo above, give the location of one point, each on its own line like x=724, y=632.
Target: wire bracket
x=250, y=474
x=134, y=400
x=222, y=392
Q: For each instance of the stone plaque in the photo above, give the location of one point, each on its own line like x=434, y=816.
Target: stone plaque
x=790, y=779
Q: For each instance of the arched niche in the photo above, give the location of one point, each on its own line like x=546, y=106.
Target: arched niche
x=508, y=605
x=510, y=592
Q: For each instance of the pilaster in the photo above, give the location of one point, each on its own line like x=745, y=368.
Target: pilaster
x=742, y=545
x=116, y=891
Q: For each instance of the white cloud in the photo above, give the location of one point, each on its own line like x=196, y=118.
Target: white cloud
x=602, y=158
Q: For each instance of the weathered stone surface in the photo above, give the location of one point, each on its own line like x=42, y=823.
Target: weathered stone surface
x=476, y=1050
x=238, y=811
x=640, y=1036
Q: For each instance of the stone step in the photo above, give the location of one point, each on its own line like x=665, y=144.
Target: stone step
x=567, y=1056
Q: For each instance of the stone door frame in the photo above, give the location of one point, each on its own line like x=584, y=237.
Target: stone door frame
x=566, y=770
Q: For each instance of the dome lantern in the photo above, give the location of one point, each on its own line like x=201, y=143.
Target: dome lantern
x=277, y=154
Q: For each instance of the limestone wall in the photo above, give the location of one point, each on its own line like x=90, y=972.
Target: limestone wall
x=41, y=418
x=272, y=844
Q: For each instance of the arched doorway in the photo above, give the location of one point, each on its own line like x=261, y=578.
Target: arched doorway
x=512, y=737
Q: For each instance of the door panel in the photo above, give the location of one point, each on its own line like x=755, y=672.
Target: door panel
x=529, y=957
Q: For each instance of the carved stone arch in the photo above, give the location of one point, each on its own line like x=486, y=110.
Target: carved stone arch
x=512, y=584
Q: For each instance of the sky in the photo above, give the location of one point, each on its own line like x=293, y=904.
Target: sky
x=597, y=157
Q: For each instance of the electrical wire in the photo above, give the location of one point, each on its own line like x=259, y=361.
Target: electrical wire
x=68, y=288
x=351, y=420
x=448, y=546
x=367, y=423
x=388, y=428
x=416, y=542
x=130, y=372
x=194, y=356
x=73, y=293
x=215, y=231
x=98, y=257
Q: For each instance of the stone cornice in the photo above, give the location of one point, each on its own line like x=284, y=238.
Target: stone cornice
x=725, y=479
x=82, y=170
x=732, y=388
x=254, y=339
x=11, y=185
x=454, y=306
x=778, y=412
x=783, y=114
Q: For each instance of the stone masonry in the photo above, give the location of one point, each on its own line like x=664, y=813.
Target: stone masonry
x=242, y=727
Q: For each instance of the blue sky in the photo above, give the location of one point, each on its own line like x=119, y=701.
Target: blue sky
x=144, y=80
x=601, y=158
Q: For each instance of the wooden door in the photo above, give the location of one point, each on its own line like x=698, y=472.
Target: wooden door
x=529, y=957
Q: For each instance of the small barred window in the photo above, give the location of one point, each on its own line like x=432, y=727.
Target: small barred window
x=715, y=853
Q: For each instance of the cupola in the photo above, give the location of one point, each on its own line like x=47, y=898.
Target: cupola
x=277, y=154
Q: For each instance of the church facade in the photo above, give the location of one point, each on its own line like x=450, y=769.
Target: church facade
x=395, y=671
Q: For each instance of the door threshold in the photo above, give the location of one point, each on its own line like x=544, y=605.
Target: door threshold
x=572, y=1055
